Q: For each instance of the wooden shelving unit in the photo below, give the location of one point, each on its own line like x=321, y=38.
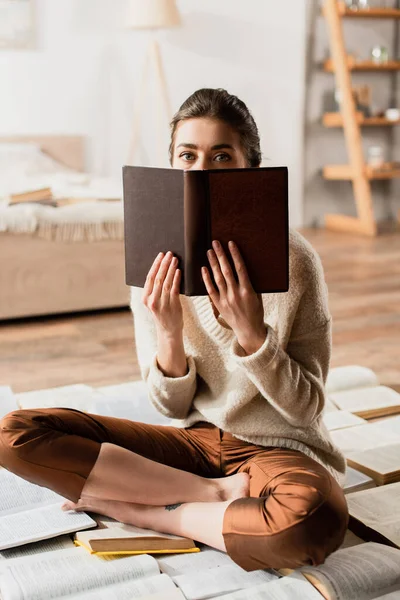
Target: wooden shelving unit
x=357, y=171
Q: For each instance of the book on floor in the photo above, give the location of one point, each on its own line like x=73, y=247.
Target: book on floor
x=185, y=210
x=367, y=570
x=114, y=537
x=72, y=572
x=382, y=463
x=363, y=437
x=350, y=377
x=30, y=512
x=339, y=419
x=375, y=513
x=368, y=402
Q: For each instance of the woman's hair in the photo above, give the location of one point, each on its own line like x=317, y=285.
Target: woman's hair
x=218, y=104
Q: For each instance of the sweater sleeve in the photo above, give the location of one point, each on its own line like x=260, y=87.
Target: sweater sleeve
x=171, y=396
x=293, y=379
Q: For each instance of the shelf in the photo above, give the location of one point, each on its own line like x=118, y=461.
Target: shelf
x=344, y=172
x=364, y=65
x=369, y=13
x=335, y=119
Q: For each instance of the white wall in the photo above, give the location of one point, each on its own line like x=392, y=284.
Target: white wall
x=83, y=77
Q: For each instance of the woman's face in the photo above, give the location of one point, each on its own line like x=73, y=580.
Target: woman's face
x=204, y=143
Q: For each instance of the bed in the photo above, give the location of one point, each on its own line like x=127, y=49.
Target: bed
x=65, y=259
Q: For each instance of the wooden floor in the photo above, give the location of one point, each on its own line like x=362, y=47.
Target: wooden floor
x=363, y=277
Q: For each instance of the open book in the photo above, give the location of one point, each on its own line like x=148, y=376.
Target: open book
x=211, y=573
x=365, y=571
x=375, y=513
x=363, y=437
x=350, y=377
x=75, y=573
x=368, y=402
x=30, y=512
x=114, y=537
x=184, y=210
x=382, y=463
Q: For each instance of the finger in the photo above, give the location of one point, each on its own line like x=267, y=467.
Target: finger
x=216, y=270
x=176, y=284
x=224, y=265
x=160, y=276
x=211, y=291
x=241, y=269
x=166, y=289
x=148, y=286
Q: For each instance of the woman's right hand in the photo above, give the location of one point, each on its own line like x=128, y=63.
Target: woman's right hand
x=161, y=294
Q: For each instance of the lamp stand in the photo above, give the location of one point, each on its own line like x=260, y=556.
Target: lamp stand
x=153, y=63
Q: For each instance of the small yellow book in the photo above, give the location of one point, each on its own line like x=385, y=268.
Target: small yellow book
x=113, y=537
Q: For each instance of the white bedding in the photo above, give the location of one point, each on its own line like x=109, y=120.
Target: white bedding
x=24, y=167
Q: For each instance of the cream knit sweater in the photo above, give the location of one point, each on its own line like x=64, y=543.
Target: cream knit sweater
x=273, y=397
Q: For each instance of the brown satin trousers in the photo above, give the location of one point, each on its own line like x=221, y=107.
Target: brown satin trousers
x=296, y=513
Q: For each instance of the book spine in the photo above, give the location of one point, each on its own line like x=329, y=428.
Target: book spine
x=197, y=234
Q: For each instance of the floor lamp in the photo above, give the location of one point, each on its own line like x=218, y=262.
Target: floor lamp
x=151, y=15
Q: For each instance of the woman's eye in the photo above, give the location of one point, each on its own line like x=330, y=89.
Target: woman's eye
x=186, y=154
x=224, y=157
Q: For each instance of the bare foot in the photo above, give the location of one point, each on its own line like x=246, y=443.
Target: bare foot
x=124, y=512
x=234, y=486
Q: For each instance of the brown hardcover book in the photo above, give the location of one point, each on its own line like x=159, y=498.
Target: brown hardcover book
x=183, y=211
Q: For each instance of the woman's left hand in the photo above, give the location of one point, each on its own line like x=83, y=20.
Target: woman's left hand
x=237, y=303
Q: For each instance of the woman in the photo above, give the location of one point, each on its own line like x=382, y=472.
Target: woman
x=250, y=468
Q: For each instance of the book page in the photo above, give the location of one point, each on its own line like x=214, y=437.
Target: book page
x=339, y=419
x=67, y=572
x=180, y=564
x=355, y=478
x=378, y=508
x=128, y=401
x=17, y=494
x=366, y=398
x=221, y=580
x=350, y=377
x=78, y=396
x=157, y=586
x=8, y=401
x=329, y=406
x=362, y=437
x=358, y=572
x=58, y=543
x=389, y=424
x=39, y=524
x=294, y=586
x=384, y=460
